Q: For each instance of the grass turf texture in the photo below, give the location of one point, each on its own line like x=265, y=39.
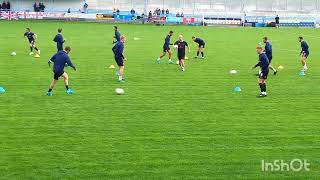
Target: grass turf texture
x=169, y=124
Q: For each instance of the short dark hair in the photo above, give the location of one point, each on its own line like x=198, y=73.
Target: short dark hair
x=116, y=27
x=59, y=30
x=28, y=29
x=300, y=37
x=193, y=37
x=171, y=32
x=265, y=38
x=67, y=48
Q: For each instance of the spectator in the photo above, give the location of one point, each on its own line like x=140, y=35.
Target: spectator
x=41, y=7
x=178, y=15
x=162, y=12
x=0, y=6
x=8, y=6
x=182, y=15
x=4, y=6
x=114, y=12
x=36, y=7
x=85, y=7
x=133, y=12
x=167, y=12
x=69, y=10
x=277, y=19
x=118, y=11
x=150, y=16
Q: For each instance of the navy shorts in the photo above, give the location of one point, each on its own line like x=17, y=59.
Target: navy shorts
x=32, y=42
x=202, y=45
x=166, y=49
x=59, y=47
x=270, y=59
x=263, y=75
x=119, y=61
x=57, y=75
x=305, y=54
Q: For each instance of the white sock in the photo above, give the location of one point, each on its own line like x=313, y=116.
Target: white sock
x=120, y=78
x=170, y=60
x=158, y=59
x=305, y=66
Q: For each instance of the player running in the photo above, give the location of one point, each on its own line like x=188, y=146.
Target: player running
x=268, y=51
x=166, y=49
x=181, y=46
x=263, y=76
x=117, y=35
x=59, y=40
x=304, y=53
x=60, y=59
x=118, y=49
x=201, y=46
x=32, y=40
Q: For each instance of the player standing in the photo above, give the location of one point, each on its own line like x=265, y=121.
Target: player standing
x=60, y=59
x=32, y=40
x=59, y=40
x=117, y=35
x=268, y=51
x=181, y=46
x=166, y=49
x=118, y=49
x=304, y=53
x=263, y=76
x=201, y=46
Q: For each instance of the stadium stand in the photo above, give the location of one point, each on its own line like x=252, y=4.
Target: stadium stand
x=205, y=12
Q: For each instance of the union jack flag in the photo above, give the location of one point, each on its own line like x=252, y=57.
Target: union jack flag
x=9, y=15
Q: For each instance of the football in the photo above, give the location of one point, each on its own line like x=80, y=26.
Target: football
x=119, y=91
x=233, y=72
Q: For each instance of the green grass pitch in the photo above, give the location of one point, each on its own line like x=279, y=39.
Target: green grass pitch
x=169, y=124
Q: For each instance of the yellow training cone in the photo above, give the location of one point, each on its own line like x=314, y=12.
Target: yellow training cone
x=112, y=67
x=37, y=56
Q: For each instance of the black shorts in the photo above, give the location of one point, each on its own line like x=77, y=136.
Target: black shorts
x=119, y=61
x=57, y=75
x=202, y=45
x=181, y=56
x=263, y=75
x=166, y=49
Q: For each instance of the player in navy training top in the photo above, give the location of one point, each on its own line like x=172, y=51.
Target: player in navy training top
x=181, y=46
x=263, y=76
x=166, y=48
x=268, y=51
x=60, y=59
x=117, y=35
x=59, y=40
x=201, y=46
x=304, y=53
x=118, y=49
x=32, y=40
